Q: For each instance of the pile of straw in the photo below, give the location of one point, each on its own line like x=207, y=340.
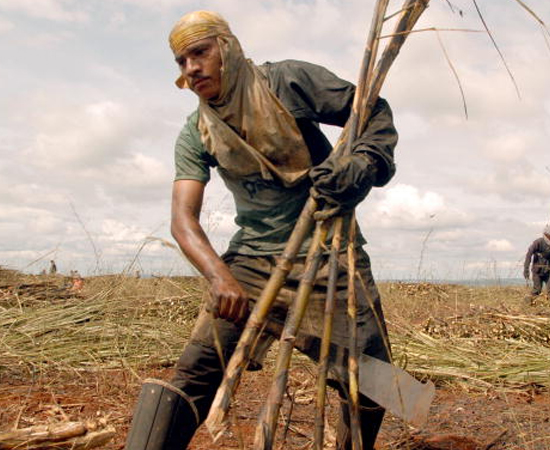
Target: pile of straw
x=27, y=293
x=486, y=350
x=490, y=324
x=120, y=323
x=123, y=322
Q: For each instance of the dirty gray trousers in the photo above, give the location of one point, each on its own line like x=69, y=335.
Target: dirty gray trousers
x=538, y=280
x=199, y=371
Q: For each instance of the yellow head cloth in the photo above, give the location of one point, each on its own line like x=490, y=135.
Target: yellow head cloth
x=193, y=27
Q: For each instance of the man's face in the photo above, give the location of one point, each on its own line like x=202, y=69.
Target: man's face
x=200, y=64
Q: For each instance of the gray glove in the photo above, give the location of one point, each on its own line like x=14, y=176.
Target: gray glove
x=340, y=183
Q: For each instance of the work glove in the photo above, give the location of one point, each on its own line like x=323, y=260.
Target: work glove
x=341, y=182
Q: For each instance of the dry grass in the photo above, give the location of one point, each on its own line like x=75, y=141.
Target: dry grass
x=482, y=336
x=114, y=322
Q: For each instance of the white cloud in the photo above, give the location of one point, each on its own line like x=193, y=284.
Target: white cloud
x=30, y=226
x=57, y=10
x=499, y=245
x=34, y=194
x=46, y=41
x=511, y=145
x=76, y=137
x=6, y=25
x=97, y=143
x=116, y=231
x=139, y=170
x=517, y=182
x=160, y=4
x=404, y=206
x=412, y=125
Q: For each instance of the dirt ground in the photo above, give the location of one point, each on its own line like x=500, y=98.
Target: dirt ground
x=461, y=418
x=458, y=420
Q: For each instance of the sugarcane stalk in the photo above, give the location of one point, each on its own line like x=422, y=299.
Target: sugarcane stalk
x=363, y=86
x=241, y=356
x=353, y=365
x=365, y=74
x=66, y=435
x=412, y=10
x=327, y=334
x=362, y=108
x=267, y=423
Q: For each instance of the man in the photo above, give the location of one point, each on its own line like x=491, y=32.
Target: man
x=538, y=257
x=259, y=126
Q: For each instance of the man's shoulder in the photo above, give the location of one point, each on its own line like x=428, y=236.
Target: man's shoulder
x=193, y=119
x=291, y=68
x=190, y=128
x=189, y=136
x=539, y=243
x=295, y=64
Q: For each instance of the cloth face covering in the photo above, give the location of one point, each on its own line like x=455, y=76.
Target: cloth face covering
x=247, y=129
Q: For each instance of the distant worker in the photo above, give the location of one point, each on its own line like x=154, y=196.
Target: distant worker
x=538, y=257
x=53, y=267
x=77, y=282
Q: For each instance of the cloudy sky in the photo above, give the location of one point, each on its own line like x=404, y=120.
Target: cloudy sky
x=89, y=116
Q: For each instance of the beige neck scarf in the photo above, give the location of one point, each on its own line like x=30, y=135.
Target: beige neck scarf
x=247, y=129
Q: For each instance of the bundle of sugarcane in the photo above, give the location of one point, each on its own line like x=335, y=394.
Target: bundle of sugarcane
x=372, y=76
x=63, y=435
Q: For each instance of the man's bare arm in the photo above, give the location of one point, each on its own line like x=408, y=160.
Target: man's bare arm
x=229, y=298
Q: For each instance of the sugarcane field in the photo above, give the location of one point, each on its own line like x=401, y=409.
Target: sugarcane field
x=71, y=360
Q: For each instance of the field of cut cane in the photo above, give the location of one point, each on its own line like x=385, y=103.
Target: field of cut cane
x=78, y=356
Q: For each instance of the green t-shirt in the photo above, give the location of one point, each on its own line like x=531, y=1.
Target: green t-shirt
x=266, y=210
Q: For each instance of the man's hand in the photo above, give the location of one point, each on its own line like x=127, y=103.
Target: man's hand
x=228, y=300
x=340, y=183
x=227, y=297
x=526, y=275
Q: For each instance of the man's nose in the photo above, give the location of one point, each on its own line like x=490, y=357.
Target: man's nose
x=193, y=66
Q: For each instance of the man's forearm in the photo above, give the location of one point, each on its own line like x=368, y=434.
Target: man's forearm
x=196, y=246
x=228, y=299
x=527, y=263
